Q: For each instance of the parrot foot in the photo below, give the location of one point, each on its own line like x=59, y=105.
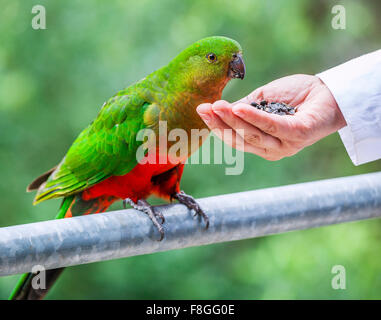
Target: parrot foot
x=145, y=207
x=191, y=203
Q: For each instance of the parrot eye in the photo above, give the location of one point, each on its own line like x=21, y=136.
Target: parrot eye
x=211, y=57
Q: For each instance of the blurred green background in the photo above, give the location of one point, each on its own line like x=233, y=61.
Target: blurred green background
x=53, y=82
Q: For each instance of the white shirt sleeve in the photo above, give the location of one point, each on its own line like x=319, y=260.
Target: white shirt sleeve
x=356, y=86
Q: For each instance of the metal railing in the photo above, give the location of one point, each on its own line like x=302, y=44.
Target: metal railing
x=112, y=235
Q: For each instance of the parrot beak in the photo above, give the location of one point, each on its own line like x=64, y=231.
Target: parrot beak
x=237, y=67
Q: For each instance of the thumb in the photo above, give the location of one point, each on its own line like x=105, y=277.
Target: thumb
x=256, y=95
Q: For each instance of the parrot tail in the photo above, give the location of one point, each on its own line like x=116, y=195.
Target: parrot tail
x=71, y=206
x=36, y=183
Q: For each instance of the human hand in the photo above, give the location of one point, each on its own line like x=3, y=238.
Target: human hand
x=273, y=136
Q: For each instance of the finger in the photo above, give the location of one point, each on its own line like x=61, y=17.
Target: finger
x=248, y=132
x=255, y=96
x=228, y=135
x=214, y=123
x=290, y=90
x=272, y=124
x=205, y=112
x=268, y=92
x=212, y=120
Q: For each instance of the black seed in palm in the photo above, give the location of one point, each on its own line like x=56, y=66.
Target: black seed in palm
x=279, y=108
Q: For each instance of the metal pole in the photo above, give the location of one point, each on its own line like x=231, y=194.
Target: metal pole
x=112, y=235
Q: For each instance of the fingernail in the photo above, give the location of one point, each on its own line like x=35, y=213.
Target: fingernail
x=238, y=113
x=205, y=117
x=204, y=108
x=220, y=113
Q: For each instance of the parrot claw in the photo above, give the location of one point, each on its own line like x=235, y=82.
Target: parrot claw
x=145, y=207
x=191, y=203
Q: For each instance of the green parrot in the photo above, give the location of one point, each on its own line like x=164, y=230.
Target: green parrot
x=102, y=166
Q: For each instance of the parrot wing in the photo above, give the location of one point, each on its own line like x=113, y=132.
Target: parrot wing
x=105, y=148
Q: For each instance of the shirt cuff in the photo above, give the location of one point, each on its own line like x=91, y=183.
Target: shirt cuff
x=356, y=86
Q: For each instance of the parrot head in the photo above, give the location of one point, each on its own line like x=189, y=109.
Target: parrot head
x=209, y=63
